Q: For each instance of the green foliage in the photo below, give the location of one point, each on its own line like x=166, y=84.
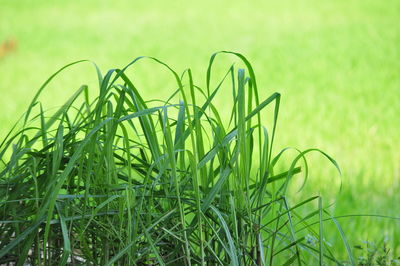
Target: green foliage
x=119, y=179
x=376, y=254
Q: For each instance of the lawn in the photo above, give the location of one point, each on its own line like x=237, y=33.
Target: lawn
x=336, y=64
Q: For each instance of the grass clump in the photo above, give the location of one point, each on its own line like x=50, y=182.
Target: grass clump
x=122, y=180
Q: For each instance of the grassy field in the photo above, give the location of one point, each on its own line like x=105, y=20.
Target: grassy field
x=336, y=64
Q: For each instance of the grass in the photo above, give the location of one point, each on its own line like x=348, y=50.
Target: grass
x=119, y=179
x=336, y=64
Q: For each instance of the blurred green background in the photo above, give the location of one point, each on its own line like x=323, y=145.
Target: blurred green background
x=336, y=63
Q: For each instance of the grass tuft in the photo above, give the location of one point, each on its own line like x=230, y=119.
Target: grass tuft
x=120, y=179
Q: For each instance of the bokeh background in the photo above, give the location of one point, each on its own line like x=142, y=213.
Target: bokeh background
x=336, y=64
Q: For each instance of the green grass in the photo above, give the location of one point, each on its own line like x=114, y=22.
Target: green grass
x=336, y=63
x=121, y=179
